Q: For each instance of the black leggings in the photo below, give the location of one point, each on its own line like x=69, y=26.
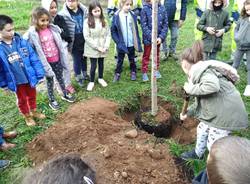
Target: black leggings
x=93, y=62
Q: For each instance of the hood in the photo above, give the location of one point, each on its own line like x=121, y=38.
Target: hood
x=225, y=4
x=225, y=69
x=46, y=3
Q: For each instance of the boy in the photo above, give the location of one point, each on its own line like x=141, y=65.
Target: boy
x=74, y=14
x=20, y=69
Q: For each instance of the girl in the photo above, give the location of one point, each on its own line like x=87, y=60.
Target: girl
x=46, y=39
x=97, y=40
x=51, y=6
x=124, y=31
x=242, y=39
x=218, y=104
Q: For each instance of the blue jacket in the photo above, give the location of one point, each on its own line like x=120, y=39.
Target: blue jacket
x=117, y=36
x=146, y=23
x=32, y=65
x=170, y=6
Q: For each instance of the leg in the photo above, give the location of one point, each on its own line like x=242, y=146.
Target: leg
x=145, y=58
x=201, y=140
x=131, y=58
x=31, y=96
x=174, y=29
x=100, y=67
x=158, y=57
x=119, y=62
x=248, y=66
x=213, y=55
x=77, y=62
x=1, y=136
x=93, y=62
x=84, y=68
x=237, y=58
x=22, y=99
x=50, y=88
x=58, y=70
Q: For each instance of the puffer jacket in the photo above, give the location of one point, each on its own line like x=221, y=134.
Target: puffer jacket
x=242, y=34
x=33, y=67
x=217, y=101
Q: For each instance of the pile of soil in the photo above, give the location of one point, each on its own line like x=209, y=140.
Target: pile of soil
x=92, y=129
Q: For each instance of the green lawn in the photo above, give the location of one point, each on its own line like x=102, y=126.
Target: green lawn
x=123, y=92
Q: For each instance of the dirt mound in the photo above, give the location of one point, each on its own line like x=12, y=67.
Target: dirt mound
x=92, y=129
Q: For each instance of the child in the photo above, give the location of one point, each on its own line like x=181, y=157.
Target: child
x=124, y=31
x=97, y=40
x=51, y=6
x=46, y=39
x=20, y=69
x=218, y=104
x=214, y=22
x=74, y=14
x=9, y=135
x=242, y=39
x=146, y=24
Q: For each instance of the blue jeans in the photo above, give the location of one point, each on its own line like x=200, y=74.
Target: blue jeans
x=1, y=136
x=79, y=63
x=174, y=32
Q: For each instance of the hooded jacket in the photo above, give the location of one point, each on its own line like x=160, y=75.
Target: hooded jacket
x=242, y=34
x=32, y=65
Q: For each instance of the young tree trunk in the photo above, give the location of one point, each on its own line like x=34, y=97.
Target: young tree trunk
x=154, y=107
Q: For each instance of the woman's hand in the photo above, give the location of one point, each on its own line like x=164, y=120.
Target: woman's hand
x=183, y=117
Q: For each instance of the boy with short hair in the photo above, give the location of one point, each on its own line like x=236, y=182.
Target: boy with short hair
x=20, y=69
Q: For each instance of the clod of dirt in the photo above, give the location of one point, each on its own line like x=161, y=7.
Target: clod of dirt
x=116, y=174
x=156, y=154
x=124, y=174
x=131, y=134
x=106, y=153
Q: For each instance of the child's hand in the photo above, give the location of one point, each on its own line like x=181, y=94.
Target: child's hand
x=220, y=32
x=211, y=30
x=158, y=41
x=183, y=116
x=180, y=23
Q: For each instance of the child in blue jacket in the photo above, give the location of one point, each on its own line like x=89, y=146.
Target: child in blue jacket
x=124, y=31
x=20, y=69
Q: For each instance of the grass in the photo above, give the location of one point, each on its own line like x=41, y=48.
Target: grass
x=124, y=92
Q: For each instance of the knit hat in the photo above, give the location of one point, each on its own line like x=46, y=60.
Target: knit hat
x=46, y=3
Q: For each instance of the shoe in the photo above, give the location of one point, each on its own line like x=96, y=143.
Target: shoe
x=174, y=56
x=29, y=120
x=145, y=77
x=247, y=91
x=10, y=135
x=85, y=76
x=133, y=76
x=6, y=146
x=90, y=86
x=80, y=82
x=102, y=82
x=54, y=105
x=37, y=115
x=157, y=74
x=68, y=97
x=70, y=89
x=189, y=155
x=4, y=164
x=116, y=77
x=164, y=56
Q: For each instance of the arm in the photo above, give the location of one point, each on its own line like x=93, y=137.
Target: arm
x=183, y=9
x=164, y=30
x=202, y=22
x=114, y=32
x=144, y=24
x=59, y=20
x=3, y=83
x=108, y=37
x=227, y=23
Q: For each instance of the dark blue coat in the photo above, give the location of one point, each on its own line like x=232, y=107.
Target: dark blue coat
x=146, y=23
x=33, y=67
x=116, y=33
x=170, y=6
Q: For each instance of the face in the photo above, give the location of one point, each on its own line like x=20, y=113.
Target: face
x=8, y=32
x=127, y=6
x=247, y=7
x=217, y=3
x=96, y=12
x=43, y=22
x=53, y=9
x=72, y=4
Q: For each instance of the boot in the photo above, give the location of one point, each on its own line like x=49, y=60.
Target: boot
x=29, y=120
x=37, y=115
x=6, y=146
x=10, y=135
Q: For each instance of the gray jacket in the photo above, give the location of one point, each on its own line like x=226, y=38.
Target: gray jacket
x=242, y=34
x=217, y=101
x=32, y=36
x=70, y=21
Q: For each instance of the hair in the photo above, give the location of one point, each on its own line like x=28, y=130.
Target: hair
x=37, y=13
x=243, y=11
x=91, y=19
x=65, y=169
x=194, y=54
x=229, y=160
x=4, y=19
x=122, y=2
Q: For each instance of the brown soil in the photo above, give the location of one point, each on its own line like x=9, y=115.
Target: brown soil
x=92, y=129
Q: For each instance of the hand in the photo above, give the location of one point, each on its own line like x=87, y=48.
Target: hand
x=183, y=116
x=188, y=87
x=211, y=30
x=220, y=32
x=158, y=41
x=102, y=50
x=180, y=23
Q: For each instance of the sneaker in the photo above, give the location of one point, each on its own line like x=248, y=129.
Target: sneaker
x=68, y=97
x=4, y=164
x=133, y=76
x=90, y=86
x=54, y=105
x=189, y=155
x=6, y=146
x=247, y=91
x=102, y=82
x=164, y=56
x=174, y=56
x=145, y=77
x=157, y=74
x=116, y=77
x=70, y=89
x=80, y=82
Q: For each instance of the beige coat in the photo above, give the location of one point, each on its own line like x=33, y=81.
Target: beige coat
x=95, y=38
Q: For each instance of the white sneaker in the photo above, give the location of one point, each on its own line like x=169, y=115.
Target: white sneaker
x=102, y=82
x=247, y=91
x=90, y=86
